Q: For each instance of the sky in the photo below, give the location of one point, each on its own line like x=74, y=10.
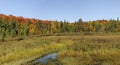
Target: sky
x=70, y=10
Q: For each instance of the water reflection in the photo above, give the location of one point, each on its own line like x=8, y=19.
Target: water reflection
x=44, y=59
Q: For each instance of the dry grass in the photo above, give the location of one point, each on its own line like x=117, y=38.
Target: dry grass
x=92, y=50
x=72, y=50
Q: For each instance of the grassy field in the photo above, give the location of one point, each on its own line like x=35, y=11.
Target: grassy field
x=83, y=49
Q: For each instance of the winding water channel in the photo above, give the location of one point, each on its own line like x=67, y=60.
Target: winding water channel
x=44, y=59
x=51, y=57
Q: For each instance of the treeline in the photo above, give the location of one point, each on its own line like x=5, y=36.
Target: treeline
x=12, y=26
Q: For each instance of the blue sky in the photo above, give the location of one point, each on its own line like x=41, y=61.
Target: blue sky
x=70, y=10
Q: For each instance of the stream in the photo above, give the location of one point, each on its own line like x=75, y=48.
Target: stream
x=44, y=59
x=49, y=58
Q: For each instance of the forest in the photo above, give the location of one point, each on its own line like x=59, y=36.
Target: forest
x=13, y=26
